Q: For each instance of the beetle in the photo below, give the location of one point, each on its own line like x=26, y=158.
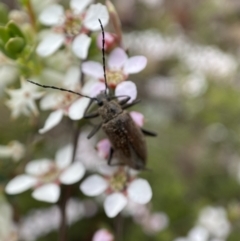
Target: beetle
x=127, y=139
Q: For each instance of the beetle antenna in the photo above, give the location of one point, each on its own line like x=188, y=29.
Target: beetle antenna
x=56, y=88
x=103, y=57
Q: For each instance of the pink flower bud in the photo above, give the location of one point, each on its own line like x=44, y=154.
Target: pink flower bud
x=103, y=235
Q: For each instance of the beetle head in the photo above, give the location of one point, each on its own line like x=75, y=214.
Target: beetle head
x=108, y=109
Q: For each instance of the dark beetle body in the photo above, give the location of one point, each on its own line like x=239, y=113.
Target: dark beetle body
x=127, y=139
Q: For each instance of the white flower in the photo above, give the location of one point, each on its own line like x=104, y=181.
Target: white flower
x=214, y=219
x=117, y=188
x=8, y=231
x=119, y=66
x=195, y=85
x=23, y=100
x=8, y=74
x=65, y=103
x=14, y=150
x=198, y=233
x=45, y=175
x=71, y=26
x=150, y=222
x=86, y=152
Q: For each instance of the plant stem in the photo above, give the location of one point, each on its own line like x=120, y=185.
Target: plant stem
x=66, y=193
x=31, y=14
x=119, y=227
x=62, y=235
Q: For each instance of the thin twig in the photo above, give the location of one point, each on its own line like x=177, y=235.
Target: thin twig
x=66, y=192
x=119, y=227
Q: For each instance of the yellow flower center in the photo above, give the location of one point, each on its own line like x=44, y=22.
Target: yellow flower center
x=51, y=175
x=114, y=77
x=118, y=182
x=72, y=25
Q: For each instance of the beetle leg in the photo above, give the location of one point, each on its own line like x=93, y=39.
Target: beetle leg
x=94, y=130
x=90, y=115
x=131, y=104
x=88, y=106
x=110, y=156
x=124, y=101
x=148, y=133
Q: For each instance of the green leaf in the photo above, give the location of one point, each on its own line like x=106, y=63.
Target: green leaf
x=3, y=13
x=4, y=34
x=2, y=49
x=15, y=45
x=14, y=30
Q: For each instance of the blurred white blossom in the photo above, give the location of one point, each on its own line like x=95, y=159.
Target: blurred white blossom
x=8, y=230
x=70, y=26
x=214, y=219
x=23, y=100
x=212, y=225
x=14, y=150
x=206, y=60
x=40, y=222
x=45, y=176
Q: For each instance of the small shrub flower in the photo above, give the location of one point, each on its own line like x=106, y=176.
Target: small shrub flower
x=119, y=66
x=45, y=176
x=71, y=26
x=118, y=189
x=23, y=100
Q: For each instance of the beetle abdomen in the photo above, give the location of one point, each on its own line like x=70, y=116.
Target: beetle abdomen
x=127, y=140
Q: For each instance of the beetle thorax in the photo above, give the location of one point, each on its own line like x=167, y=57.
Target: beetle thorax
x=109, y=110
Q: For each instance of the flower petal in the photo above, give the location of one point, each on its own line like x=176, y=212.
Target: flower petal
x=117, y=58
x=137, y=117
x=198, y=233
x=52, y=15
x=77, y=109
x=114, y=204
x=20, y=184
x=93, y=185
x=49, y=101
x=63, y=156
x=38, y=167
x=140, y=191
x=93, y=69
x=53, y=119
x=50, y=44
x=80, y=46
x=135, y=64
x=97, y=88
x=72, y=174
x=95, y=12
x=48, y=193
x=126, y=88
x=79, y=5
x=72, y=77
x=103, y=148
